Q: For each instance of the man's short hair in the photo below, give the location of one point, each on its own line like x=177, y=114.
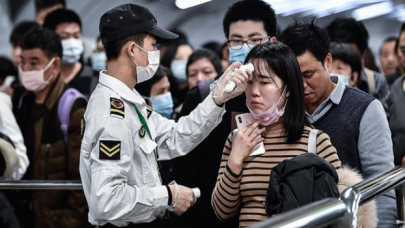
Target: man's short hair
x=60, y=16
x=20, y=30
x=346, y=53
x=113, y=48
x=402, y=30
x=44, y=4
x=302, y=36
x=348, y=30
x=251, y=10
x=389, y=39
x=44, y=39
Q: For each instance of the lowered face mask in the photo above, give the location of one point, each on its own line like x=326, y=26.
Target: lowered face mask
x=146, y=73
x=239, y=55
x=272, y=115
x=72, y=50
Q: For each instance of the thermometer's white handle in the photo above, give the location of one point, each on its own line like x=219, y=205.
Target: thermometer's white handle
x=230, y=85
x=197, y=192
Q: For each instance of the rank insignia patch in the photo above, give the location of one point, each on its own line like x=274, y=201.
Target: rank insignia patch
x=117, y=107
x=110, y=150
x=142, y=132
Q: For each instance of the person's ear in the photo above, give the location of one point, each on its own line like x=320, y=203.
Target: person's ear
x=353, y=79
x=56, y=66
x=273, y=39
x=130, y=49
x=328, y=62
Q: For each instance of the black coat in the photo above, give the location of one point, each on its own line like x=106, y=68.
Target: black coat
x=300, y=181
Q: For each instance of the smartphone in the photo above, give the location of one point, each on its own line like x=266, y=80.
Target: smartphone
x=246, y=119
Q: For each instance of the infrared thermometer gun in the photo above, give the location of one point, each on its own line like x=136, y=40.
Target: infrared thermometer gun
x=230, y=85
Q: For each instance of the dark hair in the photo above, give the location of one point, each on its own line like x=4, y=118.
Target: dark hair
x=60, y=16
x=19, y=31
x=98, y=38
x=170, y=52
x=400, y=33
x=251, y=10
x=214, y=46
x=44, y=4
x=6, y=68
x=113, y=48
x=280, y=60
x=145, y=87
x=369, y=60
x=346, y=54
x=48, y=41
x=348, y=30
x=304, y=36
x=205, y=54
x=388, y=39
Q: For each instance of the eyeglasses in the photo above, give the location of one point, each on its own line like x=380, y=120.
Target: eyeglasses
x=238, y=44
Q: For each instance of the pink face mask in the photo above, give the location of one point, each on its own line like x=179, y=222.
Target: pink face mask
x=272, y=115
x=34, y=80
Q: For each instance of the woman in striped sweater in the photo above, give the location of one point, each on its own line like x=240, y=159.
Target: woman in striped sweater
x=275, y=97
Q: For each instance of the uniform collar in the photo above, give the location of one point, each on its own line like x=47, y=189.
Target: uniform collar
x=121, y=89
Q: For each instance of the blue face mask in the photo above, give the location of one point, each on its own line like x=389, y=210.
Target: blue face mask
x=163, y=104
x=178, y=68
x=99, y=61
x=239, y=55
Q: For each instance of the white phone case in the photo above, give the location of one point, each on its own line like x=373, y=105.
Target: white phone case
x=243, y=120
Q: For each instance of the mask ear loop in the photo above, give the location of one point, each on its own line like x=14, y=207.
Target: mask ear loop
x=133, y=60
x=49, y=64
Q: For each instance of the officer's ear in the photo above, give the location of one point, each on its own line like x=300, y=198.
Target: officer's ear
x=130, y=48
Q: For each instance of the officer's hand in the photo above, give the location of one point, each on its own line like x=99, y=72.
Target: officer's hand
x=183, y=198
x=240, y=77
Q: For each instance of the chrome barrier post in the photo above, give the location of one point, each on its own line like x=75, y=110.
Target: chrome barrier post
x=41, y=184
x=318, y=214
x=400, y=193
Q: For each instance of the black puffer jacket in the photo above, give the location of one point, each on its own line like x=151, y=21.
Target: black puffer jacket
x=300, y=181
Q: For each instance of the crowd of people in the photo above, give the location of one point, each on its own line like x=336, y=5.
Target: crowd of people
x=131, y=119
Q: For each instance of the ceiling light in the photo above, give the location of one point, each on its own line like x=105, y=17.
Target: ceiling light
x=184, y=4
x=373, y=11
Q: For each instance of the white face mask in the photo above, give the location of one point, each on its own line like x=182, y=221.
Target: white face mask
x=34, y=80
x=345, y=78
x=146, y=73
x=72, y=50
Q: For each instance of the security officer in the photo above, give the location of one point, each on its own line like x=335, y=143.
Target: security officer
x=123, y=138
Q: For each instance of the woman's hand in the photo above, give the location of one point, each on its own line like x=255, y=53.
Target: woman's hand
x=243, y=145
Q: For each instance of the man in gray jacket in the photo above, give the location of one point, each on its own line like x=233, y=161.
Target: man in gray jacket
x=354, y=120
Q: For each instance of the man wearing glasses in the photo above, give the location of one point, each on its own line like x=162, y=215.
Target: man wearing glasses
x=246, y=24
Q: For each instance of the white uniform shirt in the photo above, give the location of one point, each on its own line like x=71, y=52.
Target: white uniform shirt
x=117, y=163
x=9, y=127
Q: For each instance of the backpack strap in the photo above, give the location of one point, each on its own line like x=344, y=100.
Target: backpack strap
x=66, y=102
x=313, y=134
x=370, y=80
x=204, y=87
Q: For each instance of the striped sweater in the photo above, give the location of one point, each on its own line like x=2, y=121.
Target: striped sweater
x=244, y=193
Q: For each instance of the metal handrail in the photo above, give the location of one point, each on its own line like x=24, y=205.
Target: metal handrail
x=41, y=184
x=330, y=212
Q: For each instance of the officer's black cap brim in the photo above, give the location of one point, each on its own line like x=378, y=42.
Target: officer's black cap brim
x=162, y=35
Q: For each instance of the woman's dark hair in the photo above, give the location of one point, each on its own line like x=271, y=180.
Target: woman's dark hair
x=145, y=87
x=214, y=46
x=280, y=60
x=170, y=52
x=205, y=54
x=346, y=54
